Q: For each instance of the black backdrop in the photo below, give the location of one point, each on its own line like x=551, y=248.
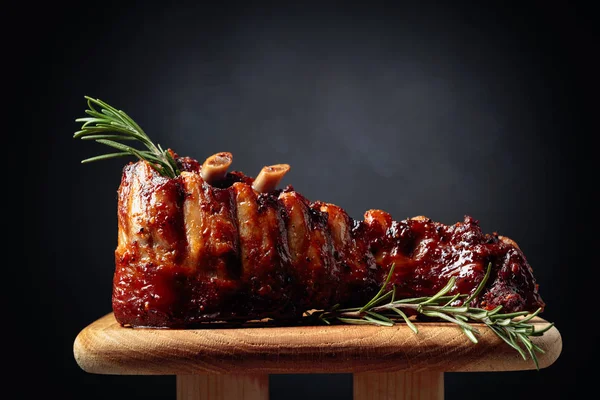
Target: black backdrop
x=430, y=110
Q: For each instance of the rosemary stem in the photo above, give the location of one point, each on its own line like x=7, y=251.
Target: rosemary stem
x=513, y=328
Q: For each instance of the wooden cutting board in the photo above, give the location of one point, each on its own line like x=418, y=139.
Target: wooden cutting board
x=105, y=347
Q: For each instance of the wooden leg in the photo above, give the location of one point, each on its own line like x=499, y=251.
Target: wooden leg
x=222, y=387
x=399, y=385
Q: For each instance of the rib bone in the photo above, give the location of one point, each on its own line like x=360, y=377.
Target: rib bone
x=269, y=177
x=215, y=167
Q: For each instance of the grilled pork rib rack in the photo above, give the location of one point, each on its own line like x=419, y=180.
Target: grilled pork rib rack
x=212, y=245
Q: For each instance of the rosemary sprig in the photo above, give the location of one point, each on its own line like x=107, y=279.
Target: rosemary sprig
x=383, y=309
x=110, y=126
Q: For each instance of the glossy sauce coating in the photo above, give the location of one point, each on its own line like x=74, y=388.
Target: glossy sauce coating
x=190, y=252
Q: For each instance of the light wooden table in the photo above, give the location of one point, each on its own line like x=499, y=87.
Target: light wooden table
x=235, y=363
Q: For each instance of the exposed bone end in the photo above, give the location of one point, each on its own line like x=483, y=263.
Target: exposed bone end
x=509, y=241
x=378, y=219
x=269, y=177
x=215, y=167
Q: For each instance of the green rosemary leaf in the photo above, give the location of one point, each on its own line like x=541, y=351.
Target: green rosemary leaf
x=513, y=339
x=494, y=311
x=354, y=321
x=412, y=300
x=114, y=144
x=508, y=340
x=525, y=340
x=92, y=120
x=529, y=347
x=150, y=156
x=502, y=322
x=378, y=321
x=478, y=313
x=481, y=284
x=406, y=319
x=104, y=157
x=381, y=299
x=110, y=137
x=347, y=309
x=543, y=330
x=381, y=290
x=336, y=306
x=530, y=316
x=442, y=291
x=537, y=348
x=458, y=309
x=469, y=334
x=380, y=317
x=521, y=330
x=527, y=329
x=448, y=318
x=511, y=315
x=452, y=299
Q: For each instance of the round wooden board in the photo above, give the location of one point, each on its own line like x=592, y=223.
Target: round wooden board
x=105, y=347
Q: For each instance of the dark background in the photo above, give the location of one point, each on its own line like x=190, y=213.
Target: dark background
x=432, y=110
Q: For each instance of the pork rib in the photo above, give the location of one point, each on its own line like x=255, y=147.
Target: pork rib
x=190, y=251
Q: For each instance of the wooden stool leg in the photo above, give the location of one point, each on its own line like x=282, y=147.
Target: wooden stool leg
x=399, y=385
x=222, y=387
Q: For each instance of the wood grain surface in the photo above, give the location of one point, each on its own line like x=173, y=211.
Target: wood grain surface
x=105, y=347
x=398, y=385
x=222, y=387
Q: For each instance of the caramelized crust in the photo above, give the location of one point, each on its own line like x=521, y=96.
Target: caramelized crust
x=191, y=252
